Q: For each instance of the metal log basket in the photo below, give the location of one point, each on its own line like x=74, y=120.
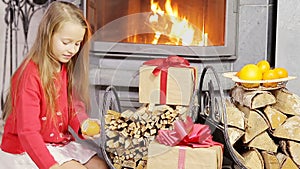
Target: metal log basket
x=111, y=101
x=207, y=107
x=213, y=113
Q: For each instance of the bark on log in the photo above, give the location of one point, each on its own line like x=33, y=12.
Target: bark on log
x=263, y=142
x=270, y=160
x=234, y=134
x=255, y=125
x=294, y=150
x=252, y=99
x=290, y=129
x=274, y=116
x=253, y=159
x=235, y=117
x=287, y=102
x=286, y=162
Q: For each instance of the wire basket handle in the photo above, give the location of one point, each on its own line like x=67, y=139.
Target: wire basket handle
x=110, y=101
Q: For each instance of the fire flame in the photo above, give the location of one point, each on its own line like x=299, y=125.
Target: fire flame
x=177, y=28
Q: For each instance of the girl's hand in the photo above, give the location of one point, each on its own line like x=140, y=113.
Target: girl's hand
x=91, y=128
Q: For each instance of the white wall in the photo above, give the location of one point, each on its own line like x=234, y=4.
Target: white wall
x=288, y=40
x=34, y=22
x=2, y=37
x=19, y=55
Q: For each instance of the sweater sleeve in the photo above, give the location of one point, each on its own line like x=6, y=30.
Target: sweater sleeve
x=29, y=124
x=79, y=117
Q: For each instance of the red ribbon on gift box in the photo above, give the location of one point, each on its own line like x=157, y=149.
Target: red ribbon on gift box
x=162, y=66
x=187, y=134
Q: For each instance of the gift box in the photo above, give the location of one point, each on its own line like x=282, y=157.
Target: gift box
x=183, y=157
x=167, y=81
x=187, y=146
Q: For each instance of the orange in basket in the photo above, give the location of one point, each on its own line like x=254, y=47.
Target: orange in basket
x=270, y=75
x=250, y=72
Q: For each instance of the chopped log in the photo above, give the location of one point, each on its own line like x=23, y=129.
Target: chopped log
x=270, y=160
x=253, y=159
x=127, y=114
x=257, y=100
x=263, y=142
x=289, y=164
x=162, y=108
x=255, y=124
x=115, y=114
x=111, y=134
x=290, y=129
x=141, y=164
x=129, y=164
x=239, y=156
x=287, y=102
x=274, y=116
x=252, y=99
x=234, y=134
x=293, y=148
x=129, y=133
x=244, y=109
x=117, y=166
x=283, y=147
x=286, y=162
x=235, y=117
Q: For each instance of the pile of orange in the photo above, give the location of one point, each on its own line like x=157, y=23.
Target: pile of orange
x=261, y=71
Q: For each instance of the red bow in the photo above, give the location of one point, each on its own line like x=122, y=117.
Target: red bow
x=164, y=64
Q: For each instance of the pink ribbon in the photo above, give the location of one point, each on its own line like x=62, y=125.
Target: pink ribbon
x=181, y=158
x=162, y=65
x=187, y=134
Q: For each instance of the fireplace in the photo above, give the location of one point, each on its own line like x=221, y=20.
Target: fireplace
x=228, y=33
x=128, y=32
x=194, y=28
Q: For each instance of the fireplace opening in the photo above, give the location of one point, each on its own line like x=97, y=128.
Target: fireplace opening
x=169, y=22
x=205, y=27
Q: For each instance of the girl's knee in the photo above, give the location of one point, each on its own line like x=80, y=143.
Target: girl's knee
x=96, y=163
x=73, y=164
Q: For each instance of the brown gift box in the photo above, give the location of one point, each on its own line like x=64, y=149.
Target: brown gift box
x=166, y=157
x=180, y=85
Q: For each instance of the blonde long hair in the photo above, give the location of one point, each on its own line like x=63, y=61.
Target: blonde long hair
x=41, y=53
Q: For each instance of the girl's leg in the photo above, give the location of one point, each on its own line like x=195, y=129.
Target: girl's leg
x=96, y=163
x=72, y=164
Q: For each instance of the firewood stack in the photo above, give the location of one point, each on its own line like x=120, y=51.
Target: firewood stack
x=130, y=132
x=264, y=127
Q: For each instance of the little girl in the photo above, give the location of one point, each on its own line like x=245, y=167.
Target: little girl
x=48, y=93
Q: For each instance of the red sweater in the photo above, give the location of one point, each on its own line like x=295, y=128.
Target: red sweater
x=27, y=129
